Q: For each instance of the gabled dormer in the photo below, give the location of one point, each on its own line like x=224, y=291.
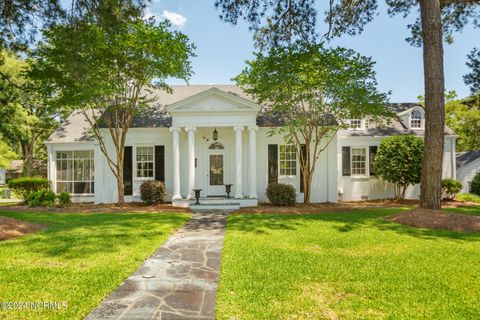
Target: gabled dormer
x=356, y=124
x=413, y=118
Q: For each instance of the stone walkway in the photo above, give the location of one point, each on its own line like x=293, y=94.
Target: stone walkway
x=179, y=281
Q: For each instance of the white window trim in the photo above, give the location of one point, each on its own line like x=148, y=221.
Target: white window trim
x=422, y=121
x=56, y=159
x=362, y=124
x=288, y=176
x=135, y=162
x=367, y=162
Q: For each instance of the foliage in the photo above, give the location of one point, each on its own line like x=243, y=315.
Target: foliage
x=473, y=78
x=451, y=188
x=6, y=155
x=25, y=186
x=399, y=161
x=76, y=259
x=276, y=23
x=281, y=194
x=41, y=198
x=475, y=185
x=104, y=65
x=64, y=199
x=313, y=89
x=153, y=192
x=468, y=197
x=26, y=104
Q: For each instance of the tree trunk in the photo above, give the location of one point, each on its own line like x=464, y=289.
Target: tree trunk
x=307, y=183
x=430, y=187
x=27, y=150
x=121, y=190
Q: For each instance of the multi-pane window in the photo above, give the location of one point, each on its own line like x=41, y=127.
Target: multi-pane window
x=288, y=161
x=145, y=161
x=75, y=172
x=355, y=123
x=416, y=119
x=359, y=161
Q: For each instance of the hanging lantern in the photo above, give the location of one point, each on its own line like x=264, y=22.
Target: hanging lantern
x=215, y=134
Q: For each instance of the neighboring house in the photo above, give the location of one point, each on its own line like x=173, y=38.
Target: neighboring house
x=205, y=136
x=2, y=176
x=468, y=165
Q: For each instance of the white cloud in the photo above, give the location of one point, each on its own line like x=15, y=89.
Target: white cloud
x=175, y=18
x=149, y=13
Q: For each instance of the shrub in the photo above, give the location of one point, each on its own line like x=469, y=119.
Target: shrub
x=451, y=188
x=25, y=186
x=399, y=161
x=64, y=199
x=153, y=192
x=41, y=198
x=475, y=185
x=280, y=194
x=468, y=197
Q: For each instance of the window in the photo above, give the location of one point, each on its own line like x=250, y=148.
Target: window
x=359, y=161
x=355, y=124
x=416, y=119
x=75, y=172
x=145, y=162
x=288, y=161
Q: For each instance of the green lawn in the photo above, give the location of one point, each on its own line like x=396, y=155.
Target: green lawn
x=346, y=266
x=79, y=258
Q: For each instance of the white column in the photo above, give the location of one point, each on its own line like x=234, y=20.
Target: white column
x=191, y=161
x=238, y=162
x=176, y=162
x=252, y=161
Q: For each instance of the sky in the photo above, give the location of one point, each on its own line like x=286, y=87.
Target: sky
x=222, y=48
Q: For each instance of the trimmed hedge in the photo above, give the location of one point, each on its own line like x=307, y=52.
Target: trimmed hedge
x=280, y=194
x=451, y=188
x=153, y=192
x=25, y=186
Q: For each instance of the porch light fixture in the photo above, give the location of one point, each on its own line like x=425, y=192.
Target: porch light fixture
x=215, y=134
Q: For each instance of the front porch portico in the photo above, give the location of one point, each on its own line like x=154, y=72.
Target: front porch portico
x=214, y=160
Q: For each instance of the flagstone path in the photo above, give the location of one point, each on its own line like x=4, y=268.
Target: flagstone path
x=179, y=281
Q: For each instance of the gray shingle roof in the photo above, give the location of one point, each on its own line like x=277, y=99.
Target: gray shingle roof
x=75, y=128
x=464, y=158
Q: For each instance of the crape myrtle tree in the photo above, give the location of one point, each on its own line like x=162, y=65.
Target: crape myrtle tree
x=276, y=23
x=313, y=90
x=399, y=161
x=104, y=63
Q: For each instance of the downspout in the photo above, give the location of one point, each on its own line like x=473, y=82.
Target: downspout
x=454, y=158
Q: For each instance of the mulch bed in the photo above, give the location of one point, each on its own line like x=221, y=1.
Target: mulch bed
x=344, y=206
x=436, y=220
x=13, y=228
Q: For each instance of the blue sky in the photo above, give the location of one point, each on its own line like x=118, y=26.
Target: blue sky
x=222, y=48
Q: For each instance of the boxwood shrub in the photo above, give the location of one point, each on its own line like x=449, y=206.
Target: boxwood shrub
x=475, y=185
x=153, y=192
x=451, y=188
x=25, y=186
x=280, y=194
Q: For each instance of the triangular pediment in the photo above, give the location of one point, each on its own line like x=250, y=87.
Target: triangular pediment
x=213, y=100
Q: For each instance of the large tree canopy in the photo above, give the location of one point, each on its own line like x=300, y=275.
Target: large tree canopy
x=473, y=78
x=104, y=65
x=314, y=91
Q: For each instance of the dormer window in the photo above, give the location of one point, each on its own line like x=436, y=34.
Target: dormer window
x=416, y=120
x=355, y=124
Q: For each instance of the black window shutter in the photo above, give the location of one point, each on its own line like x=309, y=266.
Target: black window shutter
x=346, y=161
x=127, y=171
x=272, y=163
x=372, y=152
x=160, y=163
x=303, y=150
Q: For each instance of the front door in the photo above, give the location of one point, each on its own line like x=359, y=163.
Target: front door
x=216, y=174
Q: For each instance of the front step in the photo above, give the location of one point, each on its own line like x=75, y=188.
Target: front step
x=216, y=203
x=215, y=206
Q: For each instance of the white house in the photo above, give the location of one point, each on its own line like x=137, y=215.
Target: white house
x=468, y=165
x=206, y=136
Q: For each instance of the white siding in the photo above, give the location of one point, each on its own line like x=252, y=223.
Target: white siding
x=466, y=174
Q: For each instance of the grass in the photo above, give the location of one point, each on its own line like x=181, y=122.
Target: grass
x=346, y=266
x=79, y=259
